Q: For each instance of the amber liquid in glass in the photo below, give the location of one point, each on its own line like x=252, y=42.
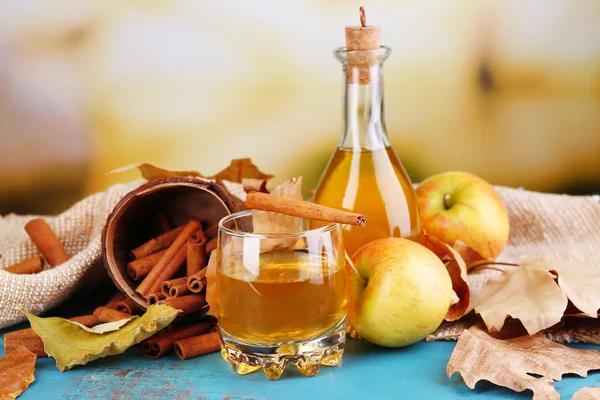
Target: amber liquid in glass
x=291, y=296
x=372, y=183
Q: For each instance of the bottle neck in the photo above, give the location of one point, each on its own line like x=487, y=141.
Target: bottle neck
x=364, y=123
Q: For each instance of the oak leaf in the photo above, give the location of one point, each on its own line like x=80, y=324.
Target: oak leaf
x=587, y=393
x=16, y=372
x=511, y=362
x=263, y=222
x=72, y=344
x=531, y=294
x=457, y=269
x=238, y=169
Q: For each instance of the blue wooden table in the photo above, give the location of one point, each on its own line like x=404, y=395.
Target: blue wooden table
x=368, y=372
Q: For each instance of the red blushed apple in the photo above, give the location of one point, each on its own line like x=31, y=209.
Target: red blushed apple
x=398, y=292
x=461, y=206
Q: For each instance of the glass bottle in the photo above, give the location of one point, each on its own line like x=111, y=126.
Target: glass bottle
x=364, y=175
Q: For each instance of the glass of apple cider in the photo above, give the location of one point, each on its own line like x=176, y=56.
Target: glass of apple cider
x=282, y=296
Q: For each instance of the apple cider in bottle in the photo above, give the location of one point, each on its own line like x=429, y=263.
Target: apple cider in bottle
x=364, y=175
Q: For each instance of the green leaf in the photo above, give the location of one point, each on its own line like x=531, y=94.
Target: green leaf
x=71, y=344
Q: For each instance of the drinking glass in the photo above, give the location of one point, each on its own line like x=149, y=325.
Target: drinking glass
x=282, y=295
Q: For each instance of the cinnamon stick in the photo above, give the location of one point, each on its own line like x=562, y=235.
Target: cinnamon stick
x=179, y=290
x=198, y=345
x=128, y=306
x=162, y=343
x=32, y=265
x=106, y=314
x=195, y=282
x=161, y=223
x=115, y=299
x=155, y=244
x=138, y=269
x=187, y=304
x=155, y=298
x=196, y=253
x=169, y=263
x=302, y=209
x=31, y=340
x=212, y=244
x=46, y=242
x=166, y=286
x=211, y=231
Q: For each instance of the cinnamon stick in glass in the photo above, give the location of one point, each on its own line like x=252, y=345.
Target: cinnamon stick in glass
x=106, y=314
x=46, y=242
x=31, y=340
x=128, y=306
x=169, y=263
x=163, y=342
x=173, y=282
x=302, y=209
x=155, y=298
x=156, y=244
x=137, y=269
x=187, y=304
x=196, y=253
x=198, y=345
x=32, y=265
x=195, y=282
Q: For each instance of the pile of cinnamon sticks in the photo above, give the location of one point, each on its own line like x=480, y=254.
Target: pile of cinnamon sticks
x=171, y=267
x=47, y=243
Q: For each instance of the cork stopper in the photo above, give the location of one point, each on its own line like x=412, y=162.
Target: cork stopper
x=361, y=38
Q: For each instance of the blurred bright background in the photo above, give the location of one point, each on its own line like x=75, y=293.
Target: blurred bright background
x=506, y=89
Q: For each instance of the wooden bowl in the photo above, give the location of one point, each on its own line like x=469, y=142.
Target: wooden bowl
x=130, y=223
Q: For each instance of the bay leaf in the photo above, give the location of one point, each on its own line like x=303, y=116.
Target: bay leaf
x=511, y=362
x=71, y=344
x=16, y=372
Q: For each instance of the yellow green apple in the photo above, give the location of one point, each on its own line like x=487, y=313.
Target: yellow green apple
x=461, y=206
x=398, y=292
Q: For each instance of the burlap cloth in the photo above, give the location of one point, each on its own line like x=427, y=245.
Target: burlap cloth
x=553, y=226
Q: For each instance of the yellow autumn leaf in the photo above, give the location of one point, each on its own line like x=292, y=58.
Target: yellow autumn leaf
x=71, y=344
x=510, y=362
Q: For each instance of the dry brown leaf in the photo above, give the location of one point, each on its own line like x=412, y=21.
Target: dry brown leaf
x=16, y=372
x=531, y=294
x=457, y=270
x=239, y=169
x=468, y=254
x=509, y=363
x=579, y=281
x=528, y=294
x=262, y=222
x=587, y=393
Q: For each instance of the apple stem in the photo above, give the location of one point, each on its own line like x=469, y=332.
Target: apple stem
x=349, y=261
x=446, y=200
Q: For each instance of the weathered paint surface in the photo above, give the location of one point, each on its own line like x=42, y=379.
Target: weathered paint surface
x=368, y=372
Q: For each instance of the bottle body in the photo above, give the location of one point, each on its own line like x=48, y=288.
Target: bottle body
x=375, y=184
x=364, y=174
